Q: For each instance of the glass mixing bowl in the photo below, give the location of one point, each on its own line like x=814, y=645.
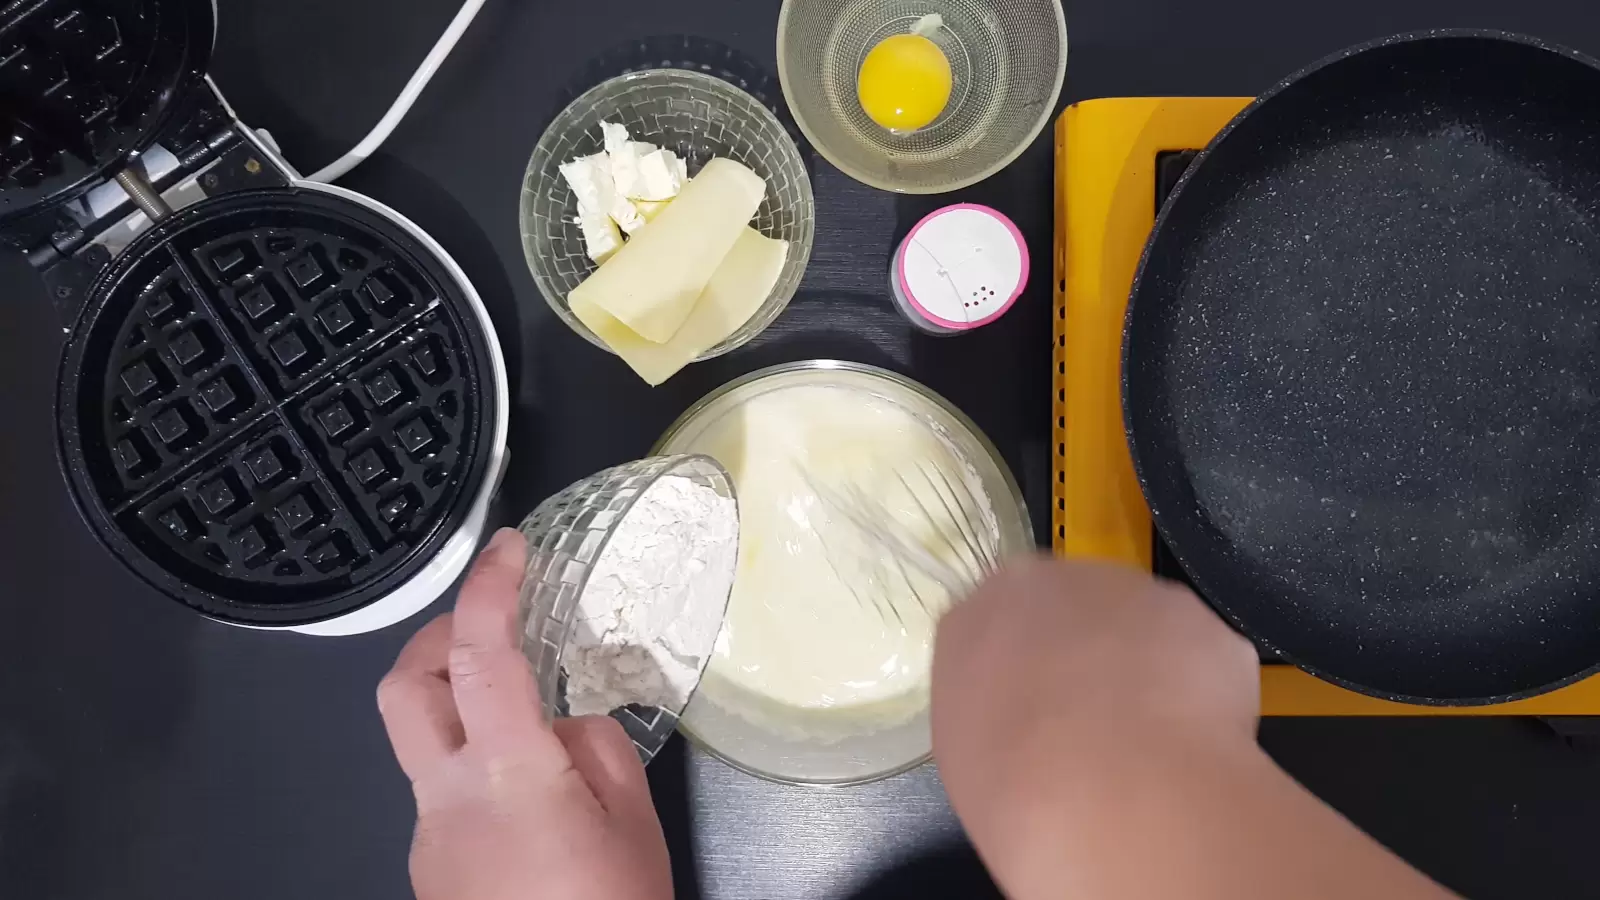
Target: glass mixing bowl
x=566, y=535
x=801, y=754
x=1008, y=59
x=696, y=116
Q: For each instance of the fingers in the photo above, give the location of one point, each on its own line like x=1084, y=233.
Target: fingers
x=494, y=688
x=606, y=758
x=973, y=622
x=417, y=706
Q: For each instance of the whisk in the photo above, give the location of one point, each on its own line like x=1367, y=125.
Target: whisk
x=953, y=548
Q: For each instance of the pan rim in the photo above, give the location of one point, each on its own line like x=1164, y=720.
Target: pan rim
x=1141, y=467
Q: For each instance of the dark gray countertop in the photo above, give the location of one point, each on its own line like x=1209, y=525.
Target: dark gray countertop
x=145, y=753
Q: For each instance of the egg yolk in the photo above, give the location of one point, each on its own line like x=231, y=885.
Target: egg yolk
x=904, y=82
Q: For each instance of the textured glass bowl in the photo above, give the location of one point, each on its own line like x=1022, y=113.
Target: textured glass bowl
x=696, y=116
x=1008, y=59
x=566, y=536
x=852, y=756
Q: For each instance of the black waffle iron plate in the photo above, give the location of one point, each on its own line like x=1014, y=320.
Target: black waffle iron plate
x=282, y=404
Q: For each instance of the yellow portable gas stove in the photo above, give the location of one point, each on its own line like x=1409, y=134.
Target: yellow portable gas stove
x=1116, y=160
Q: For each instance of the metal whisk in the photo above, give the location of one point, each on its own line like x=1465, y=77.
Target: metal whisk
x=954, y=552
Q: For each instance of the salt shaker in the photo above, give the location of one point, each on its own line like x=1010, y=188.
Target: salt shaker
x=959, y=268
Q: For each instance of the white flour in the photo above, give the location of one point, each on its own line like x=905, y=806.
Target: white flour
x=650, y=612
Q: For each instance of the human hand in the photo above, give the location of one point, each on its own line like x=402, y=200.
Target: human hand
x=1058, y=684
x=1095, y=730
x=510, y=807
x=1048, y=648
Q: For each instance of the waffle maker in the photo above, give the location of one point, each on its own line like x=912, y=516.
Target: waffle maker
x=280, y=403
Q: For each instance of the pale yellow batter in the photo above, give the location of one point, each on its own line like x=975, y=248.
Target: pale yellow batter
x=807, y=645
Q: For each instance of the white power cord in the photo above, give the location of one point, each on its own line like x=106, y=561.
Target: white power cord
x=408, y=96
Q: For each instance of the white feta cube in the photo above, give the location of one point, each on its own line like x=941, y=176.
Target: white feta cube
x=623, y=153
x=590, y=180
x=659, y=176
x=601, y=240
x=626, y=215
x=614, y=136
x=592, y=185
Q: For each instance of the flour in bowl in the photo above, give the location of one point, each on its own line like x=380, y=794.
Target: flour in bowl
x=651, y=610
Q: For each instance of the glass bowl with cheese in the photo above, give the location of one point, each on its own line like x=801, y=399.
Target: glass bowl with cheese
x=653, y=133
x=808, y=682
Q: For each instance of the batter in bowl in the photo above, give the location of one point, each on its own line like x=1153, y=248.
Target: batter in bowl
x=808, y=646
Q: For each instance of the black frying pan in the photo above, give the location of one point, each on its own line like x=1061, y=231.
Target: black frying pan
x=1362, y=368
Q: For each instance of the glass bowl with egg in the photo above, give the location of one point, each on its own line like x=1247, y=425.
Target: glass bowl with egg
x=691, y=118
x=809, y=683
x=921, y=96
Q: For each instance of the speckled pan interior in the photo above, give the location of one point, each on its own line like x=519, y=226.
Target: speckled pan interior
x=1363, y=366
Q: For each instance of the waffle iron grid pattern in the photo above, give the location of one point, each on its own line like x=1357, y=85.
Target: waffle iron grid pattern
x=70, y=60
x=86, y=82
x=286, y=406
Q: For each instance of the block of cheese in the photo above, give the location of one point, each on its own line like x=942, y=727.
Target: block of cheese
x=652, y=283
x=658, y=176
x=625, y=214
x=591, y=182
x=623, y=153
x=736, y=290
x=649, y=209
